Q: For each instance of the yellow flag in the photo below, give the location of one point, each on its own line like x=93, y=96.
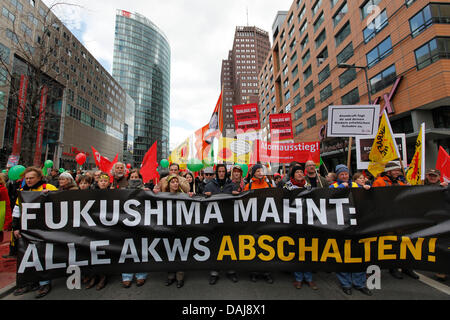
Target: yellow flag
x=384, y=148
x=416, y=171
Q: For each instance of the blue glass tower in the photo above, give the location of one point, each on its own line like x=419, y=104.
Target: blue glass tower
x=141, y=65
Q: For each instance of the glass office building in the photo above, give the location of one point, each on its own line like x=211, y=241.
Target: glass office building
x=142, y=67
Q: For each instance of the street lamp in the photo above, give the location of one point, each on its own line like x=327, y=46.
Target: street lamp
x=350, y=66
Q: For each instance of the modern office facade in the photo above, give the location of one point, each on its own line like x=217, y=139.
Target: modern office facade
x=142, y=66
x=85, y=105
x=323, y=50
x=239, y=75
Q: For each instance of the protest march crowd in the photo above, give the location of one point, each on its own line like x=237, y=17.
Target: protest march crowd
x=209, y=181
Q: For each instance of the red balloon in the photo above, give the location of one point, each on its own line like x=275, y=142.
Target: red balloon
x=129, y=166
x=80, y=158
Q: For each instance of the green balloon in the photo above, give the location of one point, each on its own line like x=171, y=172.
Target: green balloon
x=195, y=165
x=62, y=170
x=164, y=163
x=48, y=164
x=15, y=172
x=244, y=168
x=3, y=171
x=208, y=163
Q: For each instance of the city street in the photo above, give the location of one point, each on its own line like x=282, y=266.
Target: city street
x=197, y=288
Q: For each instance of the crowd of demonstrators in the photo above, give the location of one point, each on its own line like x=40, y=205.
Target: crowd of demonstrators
x=208, y=182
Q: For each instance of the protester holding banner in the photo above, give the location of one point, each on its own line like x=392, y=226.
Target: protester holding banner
x=347, y=279
x=66, y=182
x=343, y=178
x=433, y=177
x=134, y=183
x=172, y=185
x=360, y=180
x=298, y=181
x=34, y=181
x=237, y=179
x=312, y=177
x=288, y=175
x=258, y=181
x=120, y=180
x=391, y=177
x=174, y=169
x=97, y=175
x=220, y=184
x=85, y=182
x=331, y=178
x=192, y=183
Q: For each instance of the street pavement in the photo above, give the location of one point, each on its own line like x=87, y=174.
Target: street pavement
x=197, y=288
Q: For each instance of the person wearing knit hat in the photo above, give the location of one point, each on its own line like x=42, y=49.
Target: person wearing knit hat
x=237, y=179
x=343, y=178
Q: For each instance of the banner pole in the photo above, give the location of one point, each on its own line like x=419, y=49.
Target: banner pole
x=349, y=157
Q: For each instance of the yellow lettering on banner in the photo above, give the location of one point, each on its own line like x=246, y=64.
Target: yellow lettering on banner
x=250, y=246
x=383, y=247
x=331, y=243
x=348, y=253
x=280, y=247
x=314, y=249
x=226, y=249
x=416, y=251
x=367, y=243
x=266, y=247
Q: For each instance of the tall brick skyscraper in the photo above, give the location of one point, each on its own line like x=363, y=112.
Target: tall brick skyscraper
x=240, y=71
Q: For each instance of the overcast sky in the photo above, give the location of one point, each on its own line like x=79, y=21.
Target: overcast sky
x=200, y=34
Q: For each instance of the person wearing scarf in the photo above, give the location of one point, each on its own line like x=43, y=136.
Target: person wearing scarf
x=297, y=181
x=33, y=182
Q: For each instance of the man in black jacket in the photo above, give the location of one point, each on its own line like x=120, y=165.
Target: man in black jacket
x=220, y=184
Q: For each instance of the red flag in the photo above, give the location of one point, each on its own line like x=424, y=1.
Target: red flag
x=149, y=164
x=106, y=165
x=97, y=157
x=443, y=165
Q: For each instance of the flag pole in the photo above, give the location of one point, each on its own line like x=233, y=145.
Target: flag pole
x=349, y=156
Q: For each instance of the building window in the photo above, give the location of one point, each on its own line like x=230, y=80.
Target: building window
x=324, y=74
x=294, y=72
x=366, y=8
x=298, y=114
x=375, y=26
x=4, y=53
x=351, y=98
x=311, y=121
x=325, y=113
x=345, y=54
x=308, y=89
x=342, y=34
x=380, y=52
x=318, y=22
x=304, y=42
x=294, y=57
x=433, y=13
x=303, y=28
x=384, y=79
x=311, y=104
x=299, y=128
x=307, y=73
x=296, y=86
x=306, y=57
x=296, y=100
x=441, y=117
x=333, y=3
x=325, y=93
x=321, y=57
x=340, y=14
x=437, y=48
x=348, y=76
x=316, y=7
x=321, y=38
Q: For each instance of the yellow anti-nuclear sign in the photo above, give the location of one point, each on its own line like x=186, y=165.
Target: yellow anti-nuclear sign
x=234, y=151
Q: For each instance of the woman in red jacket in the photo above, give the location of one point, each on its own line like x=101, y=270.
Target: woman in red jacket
x=5, y=208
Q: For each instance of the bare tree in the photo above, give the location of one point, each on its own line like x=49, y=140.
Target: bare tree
x=39, y=56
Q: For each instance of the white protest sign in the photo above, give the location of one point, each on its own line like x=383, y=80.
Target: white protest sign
x=353, y=120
